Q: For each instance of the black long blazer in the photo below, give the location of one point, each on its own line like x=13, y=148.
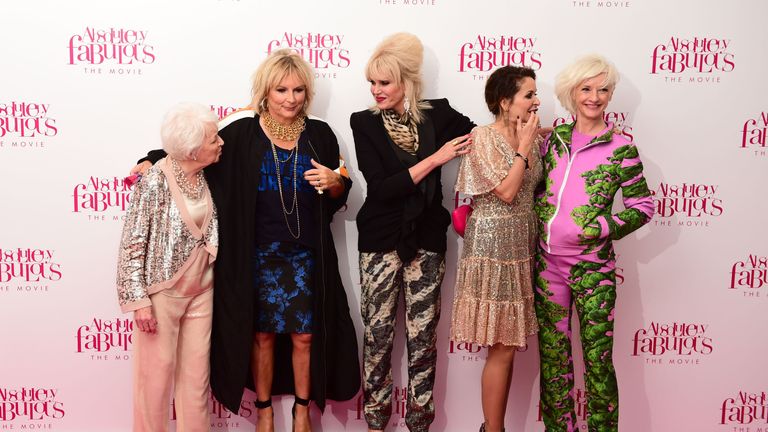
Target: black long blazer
x=334, y=364
x=398, y=214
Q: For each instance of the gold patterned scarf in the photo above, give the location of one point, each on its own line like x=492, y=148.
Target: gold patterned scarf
x=402, y=130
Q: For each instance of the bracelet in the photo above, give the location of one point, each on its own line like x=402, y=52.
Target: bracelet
x=525, y=159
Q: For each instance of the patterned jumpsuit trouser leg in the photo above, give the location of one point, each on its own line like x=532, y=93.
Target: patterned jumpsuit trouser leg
x=383, y=277
x=589, y=283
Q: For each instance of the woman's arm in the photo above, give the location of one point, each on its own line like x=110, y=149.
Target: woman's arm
x=131, y=281
x=638, y=203
x=385, y=186
x=508, y=188
x=456, y=147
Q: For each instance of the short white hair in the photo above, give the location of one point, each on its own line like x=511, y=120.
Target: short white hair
x=183, y=129
x=582, y=69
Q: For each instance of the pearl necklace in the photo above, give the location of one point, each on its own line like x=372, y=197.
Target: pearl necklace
x=188, y=190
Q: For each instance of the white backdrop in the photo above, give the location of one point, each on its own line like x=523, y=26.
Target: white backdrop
x=84, y=85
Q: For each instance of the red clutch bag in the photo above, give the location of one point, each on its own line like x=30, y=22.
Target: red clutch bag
x=460, y=216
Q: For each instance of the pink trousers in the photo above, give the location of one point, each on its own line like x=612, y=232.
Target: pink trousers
x=177, y=355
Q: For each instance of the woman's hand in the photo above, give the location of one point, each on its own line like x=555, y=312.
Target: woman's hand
x=526, y=135
x=141, y=168
x=456, y=147
x=323, y=178
x=145, y=319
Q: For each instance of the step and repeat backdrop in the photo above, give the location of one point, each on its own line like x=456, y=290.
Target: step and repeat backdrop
x=84, y=85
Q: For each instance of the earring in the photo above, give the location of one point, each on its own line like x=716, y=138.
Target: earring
x=263, y=104
x=407, y=106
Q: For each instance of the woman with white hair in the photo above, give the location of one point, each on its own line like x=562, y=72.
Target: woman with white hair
x=402, y=224
x=165, y=274
x=586, y=163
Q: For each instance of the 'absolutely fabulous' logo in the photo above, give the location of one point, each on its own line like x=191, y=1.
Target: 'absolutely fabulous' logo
x=692, y=60
x=30, y=404
x=29, y=269
x=689, y=204
x=677, y=343
x=120, y=51
x=745, y=409
x=483, y=54
x=25, y=124
x=324, y=51
x=105, y=339
x=102, y=198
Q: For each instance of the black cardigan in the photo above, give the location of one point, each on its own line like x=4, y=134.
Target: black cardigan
x=334, y=365
x=398, y=214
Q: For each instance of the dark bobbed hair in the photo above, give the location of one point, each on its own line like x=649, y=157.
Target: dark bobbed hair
x=504, y=83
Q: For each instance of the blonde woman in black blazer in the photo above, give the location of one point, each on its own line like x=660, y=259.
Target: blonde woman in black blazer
x=401, y=143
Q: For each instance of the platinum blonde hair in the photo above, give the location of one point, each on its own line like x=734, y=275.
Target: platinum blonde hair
x=582, y=69
x=398, y=58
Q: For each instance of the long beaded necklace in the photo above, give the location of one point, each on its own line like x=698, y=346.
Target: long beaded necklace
x=188, y=190
x=295, y=204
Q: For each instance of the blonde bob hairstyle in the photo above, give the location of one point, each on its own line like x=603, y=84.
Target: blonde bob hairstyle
x=398, y=59
x=580, y=70
x=183, y=129
x=278, y=65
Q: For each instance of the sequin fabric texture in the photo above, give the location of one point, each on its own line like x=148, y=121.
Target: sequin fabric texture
x=156, y=243
x=493, y=300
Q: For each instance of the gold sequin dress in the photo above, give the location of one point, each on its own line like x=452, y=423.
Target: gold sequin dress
x=493, y=299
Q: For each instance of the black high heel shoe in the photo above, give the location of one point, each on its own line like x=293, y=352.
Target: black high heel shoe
x=299, y=401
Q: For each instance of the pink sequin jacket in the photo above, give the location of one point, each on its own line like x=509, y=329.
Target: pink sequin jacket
x=160, y=241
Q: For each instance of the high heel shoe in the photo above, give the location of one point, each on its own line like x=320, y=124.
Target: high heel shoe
x=302, y=402
x=260, y=405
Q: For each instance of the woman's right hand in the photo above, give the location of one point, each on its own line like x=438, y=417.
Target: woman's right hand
x=145, y=320
x=141, y=168
x=456, y=147
x=527, y=134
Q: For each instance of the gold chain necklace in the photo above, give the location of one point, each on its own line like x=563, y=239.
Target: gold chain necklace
x=295, y=205
x=192, y=192
x=290, y=132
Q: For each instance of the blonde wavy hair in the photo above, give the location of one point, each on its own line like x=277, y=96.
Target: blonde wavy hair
x=278, y=65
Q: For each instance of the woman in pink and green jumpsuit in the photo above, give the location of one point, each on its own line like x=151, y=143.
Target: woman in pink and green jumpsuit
x=585, y=164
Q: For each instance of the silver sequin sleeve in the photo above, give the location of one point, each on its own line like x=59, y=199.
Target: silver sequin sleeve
x=155, y=242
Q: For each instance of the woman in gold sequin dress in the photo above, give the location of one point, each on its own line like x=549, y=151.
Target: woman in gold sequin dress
x=493, y=304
